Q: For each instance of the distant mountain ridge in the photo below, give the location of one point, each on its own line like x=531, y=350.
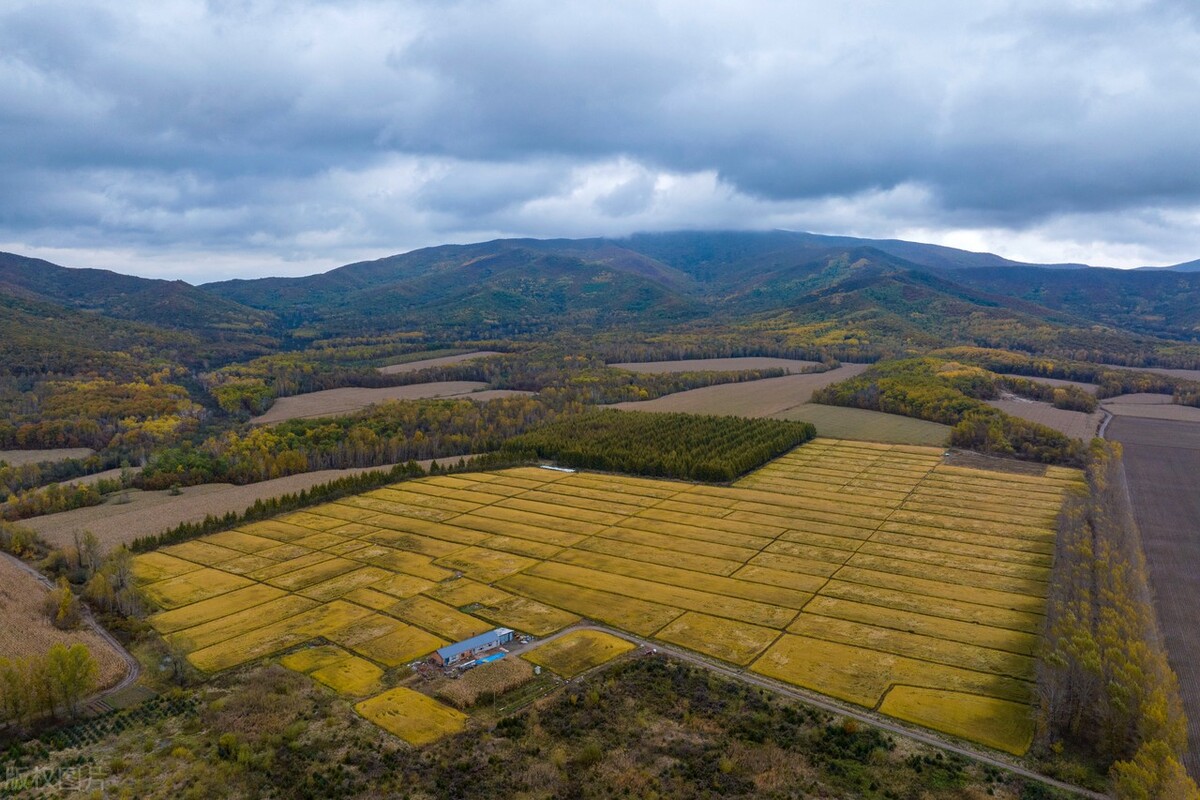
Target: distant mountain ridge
x=919, y=293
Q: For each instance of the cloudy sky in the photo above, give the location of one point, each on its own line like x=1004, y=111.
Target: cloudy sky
x=205, y=140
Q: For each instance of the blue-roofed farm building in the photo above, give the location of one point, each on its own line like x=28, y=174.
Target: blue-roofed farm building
x=467, y=649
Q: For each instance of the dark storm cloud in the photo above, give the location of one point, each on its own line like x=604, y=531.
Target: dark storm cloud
x=329, y=130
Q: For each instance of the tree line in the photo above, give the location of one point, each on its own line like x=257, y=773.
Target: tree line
x=1104, y=686
x=1110, y=381
x=42, y=684
x=688, y=446
x=950, y=393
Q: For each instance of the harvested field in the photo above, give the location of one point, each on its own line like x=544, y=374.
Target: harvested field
x=26, y=630
x=149, y=513
x=1075, y=424
x=1162, y=465
x=793, y=366
x=19, y=458
x=334, y=402
x=578, y=651
x=440, y=361
x=763, y=398
x=412, y=716
x=850, y=568
x=1150, y=406
x=873, y=426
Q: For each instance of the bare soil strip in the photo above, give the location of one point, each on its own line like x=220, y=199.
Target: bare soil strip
x=1162, y=465
x=413, y=366
x=792, y=365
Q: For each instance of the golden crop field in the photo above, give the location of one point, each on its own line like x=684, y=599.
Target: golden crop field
x=873, y=573
x=578, y=651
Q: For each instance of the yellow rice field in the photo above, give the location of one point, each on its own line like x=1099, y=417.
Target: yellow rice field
x=414, y=717
x=578, y=651
x=873, y=573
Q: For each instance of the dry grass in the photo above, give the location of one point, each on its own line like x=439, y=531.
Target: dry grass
x=26, y=630
x=488, y=680
x=578, y=652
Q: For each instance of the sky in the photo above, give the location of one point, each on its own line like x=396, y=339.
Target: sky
x=241, y=138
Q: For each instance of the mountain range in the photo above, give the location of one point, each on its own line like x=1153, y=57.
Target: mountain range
x=917, y=293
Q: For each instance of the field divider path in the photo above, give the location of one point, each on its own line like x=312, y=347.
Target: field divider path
x=823, y=702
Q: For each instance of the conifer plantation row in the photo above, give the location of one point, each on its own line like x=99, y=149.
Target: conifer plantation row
x=688, y=446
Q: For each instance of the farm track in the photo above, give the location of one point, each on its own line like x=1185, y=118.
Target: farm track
x=1162, y=461
x=822, y=702
x=134, y=670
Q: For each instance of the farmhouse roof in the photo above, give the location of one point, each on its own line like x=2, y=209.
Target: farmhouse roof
x=451, y=650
